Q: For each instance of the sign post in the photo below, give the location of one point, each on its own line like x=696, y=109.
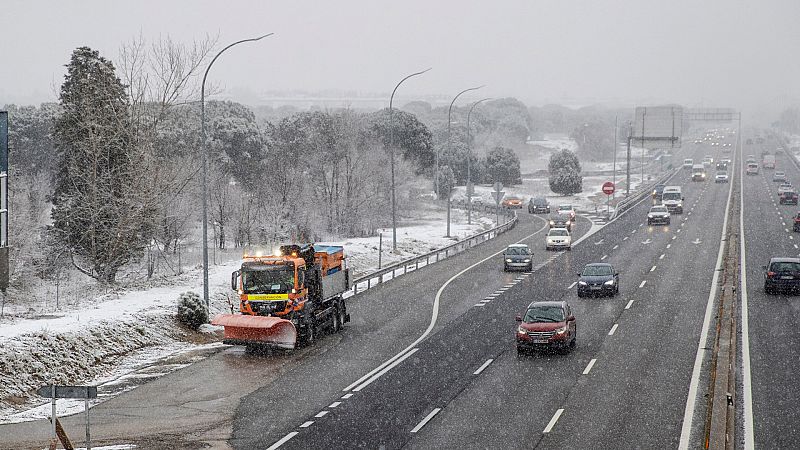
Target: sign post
x=498, y=195
x=608, y=189
x=470, y=191
x=54, y=392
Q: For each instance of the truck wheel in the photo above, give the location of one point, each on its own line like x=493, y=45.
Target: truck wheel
x=310, y=333
x=336, y=324
x=342, y=314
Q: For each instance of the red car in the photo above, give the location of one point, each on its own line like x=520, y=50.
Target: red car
x=788, y=198
x=546, y=325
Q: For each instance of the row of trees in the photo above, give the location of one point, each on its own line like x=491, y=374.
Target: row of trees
x=125, y=177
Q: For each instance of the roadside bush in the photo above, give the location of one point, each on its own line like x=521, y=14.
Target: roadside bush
x=192, y=312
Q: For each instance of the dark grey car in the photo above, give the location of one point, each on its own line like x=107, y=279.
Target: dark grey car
x=560, y=221
x=539, y=205
x=517, y=256
x=598, y=279
x=782, y=275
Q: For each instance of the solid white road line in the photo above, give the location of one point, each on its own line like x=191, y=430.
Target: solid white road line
x=691, y=400
x=346, y=396
x=283, y=440
x=384, y=370
x=613, y=329
x=643, y=283
x=434, y=315
x=553, y=420
x=483, y=366
x=652, y=269
x=589, y=366
x=321, y=414
x=426, y=420
x=747, y=379
x=307, y=424
x=334, y=404
x=630, y=303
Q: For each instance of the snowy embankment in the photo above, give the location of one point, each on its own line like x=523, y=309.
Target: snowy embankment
x=105, y=338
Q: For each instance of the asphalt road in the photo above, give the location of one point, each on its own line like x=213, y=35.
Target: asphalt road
x=774, y=320
x=632, y=395
x=251, y=397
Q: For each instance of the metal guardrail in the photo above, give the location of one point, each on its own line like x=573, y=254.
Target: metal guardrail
x=409, y=265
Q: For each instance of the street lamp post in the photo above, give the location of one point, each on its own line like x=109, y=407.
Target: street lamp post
x=391, y=157
x=436, y=178
x=204, y=156
x=469, y=161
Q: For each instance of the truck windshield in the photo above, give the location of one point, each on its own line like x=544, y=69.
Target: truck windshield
x=671, y=196
x=272, y=280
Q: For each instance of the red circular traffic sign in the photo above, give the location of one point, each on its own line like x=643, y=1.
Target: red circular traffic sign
x=608, y=188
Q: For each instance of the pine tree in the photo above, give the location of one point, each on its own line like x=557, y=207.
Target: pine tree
x=565, y=173
x=98, y=211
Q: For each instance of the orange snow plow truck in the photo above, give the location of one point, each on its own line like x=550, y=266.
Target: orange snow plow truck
x=287, y=298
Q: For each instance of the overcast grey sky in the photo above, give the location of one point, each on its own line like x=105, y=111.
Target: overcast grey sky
x=715, y=53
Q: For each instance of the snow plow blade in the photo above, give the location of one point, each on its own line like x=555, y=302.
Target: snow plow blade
x=243, y=329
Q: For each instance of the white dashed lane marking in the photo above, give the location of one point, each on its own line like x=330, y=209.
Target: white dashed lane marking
x=613, y=329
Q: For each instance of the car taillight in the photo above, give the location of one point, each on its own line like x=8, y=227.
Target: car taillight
x=770, y=274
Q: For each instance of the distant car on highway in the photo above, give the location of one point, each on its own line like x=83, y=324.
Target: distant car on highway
x=722, y=164
x=517, y=256
x=688, y=163
x=750, y=159
x=546, y=325
x=721, y=176
x=568, y=210
x=708, y=160
x=598, y=279
x=752, y=168
x=699, y=172
x=539, y=205
x=560, y=221
x=788, y=198
x=658, y=215
x=782, y=275
x=779, y=151
x=558, y=238
x=785, y=186
x=512, y=202
x=779, y=176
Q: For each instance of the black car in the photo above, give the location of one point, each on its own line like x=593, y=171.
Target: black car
x=539, y=205
x=560, y=221
x=598, y=279
x=782, y=274
x=517, y=256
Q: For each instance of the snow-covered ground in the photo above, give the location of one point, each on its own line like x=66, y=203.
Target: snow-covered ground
x=112, y=339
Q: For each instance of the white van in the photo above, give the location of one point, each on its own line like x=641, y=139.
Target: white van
x=688, y=163
x=699, y=172
x=672, y=198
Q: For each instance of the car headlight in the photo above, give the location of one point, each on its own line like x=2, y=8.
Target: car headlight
x=508, y=260
x=552, y=223
x=562, y=330
x=609, y=283
x=521, y=330
x=527, y=260
x=582, y=283
x=649, y=216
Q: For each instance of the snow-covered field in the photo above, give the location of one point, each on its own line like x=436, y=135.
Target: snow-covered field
x=111, y=340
